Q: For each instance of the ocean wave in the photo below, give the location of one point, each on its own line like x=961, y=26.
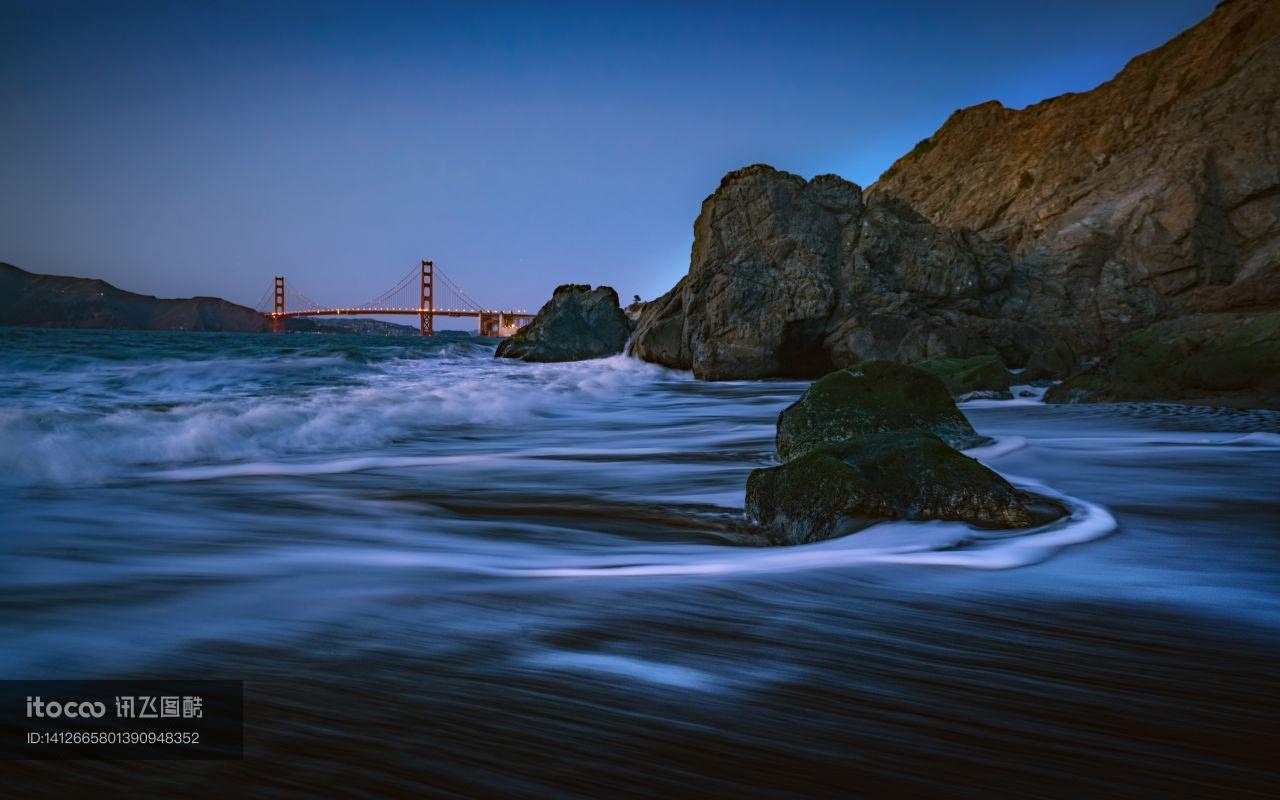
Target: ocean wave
x=113, y=420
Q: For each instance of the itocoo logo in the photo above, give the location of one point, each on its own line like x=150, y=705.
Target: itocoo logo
x=37, y=707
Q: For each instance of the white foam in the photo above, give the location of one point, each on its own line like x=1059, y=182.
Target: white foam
x=331, y=467
x=638, y=669
x=1036, y=398
x=950, y=544
x=182, y=415
x=999, y=447
x=1256, y=439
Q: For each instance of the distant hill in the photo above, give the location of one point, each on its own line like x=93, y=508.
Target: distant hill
x=56, y=301
x=357, y=325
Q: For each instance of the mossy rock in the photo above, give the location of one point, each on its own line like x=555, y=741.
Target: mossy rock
x=963, y=376
x=1230, y=359
x=1050, y=363
x=873, y=397
x=908, y=474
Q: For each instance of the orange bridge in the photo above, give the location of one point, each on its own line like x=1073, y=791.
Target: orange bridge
x=416, y=293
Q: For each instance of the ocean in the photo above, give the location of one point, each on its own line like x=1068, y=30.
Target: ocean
x=443, y=574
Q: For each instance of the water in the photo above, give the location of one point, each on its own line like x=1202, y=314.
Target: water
x=443, y=574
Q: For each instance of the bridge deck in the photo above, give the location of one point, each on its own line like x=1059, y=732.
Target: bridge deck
x=437, y=312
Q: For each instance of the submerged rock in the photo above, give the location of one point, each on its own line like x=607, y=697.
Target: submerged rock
x=577, y=323
x=906, y=474
x=983, y=376
x=1214, y=359
x=874, y=397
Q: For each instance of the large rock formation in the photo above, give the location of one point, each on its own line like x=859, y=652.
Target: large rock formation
x=867, y=444
x=1150, y=197
x=577, y=323
x=1229, y=358
x=1153, y=194
x=794, y=278
x=55, y=301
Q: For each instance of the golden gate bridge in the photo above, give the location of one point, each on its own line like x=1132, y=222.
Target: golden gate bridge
x=415, y=293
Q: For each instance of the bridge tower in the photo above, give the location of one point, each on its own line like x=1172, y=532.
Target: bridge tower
x=427, y=300
x=277, y=321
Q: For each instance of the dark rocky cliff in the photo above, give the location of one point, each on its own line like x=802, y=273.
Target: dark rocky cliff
x=1064, y=226
x=1154, y=194
x=55, y=301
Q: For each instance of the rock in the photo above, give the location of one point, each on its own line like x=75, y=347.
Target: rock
x=577, y=323
x=633, y=310
x=980, y=376
x=794, y=278
x=56, y=301
x=1051, y=363
x=1071, y=222
x=1152, y=195
x=1227, y=358
x=874, y=442
x=906, y=474
x=875, y=397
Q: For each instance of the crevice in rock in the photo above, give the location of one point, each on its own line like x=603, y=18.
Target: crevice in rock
x=802, y=353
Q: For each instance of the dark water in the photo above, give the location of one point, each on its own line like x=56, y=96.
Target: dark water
x=445, y=575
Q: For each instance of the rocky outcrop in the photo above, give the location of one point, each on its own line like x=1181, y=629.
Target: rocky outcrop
x=874, y=443
x=981, y=376
x=909, y=474
x=577, y=323
x=1055, y=229
x=633, y=310
x=1154, y=194
x=876, y=397
x=790, y=277
x=1052, y=363
x=1213, y=359
x=56, y=301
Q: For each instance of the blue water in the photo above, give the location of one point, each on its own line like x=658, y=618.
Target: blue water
x=445, y=574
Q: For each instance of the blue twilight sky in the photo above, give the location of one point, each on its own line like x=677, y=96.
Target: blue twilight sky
x=180, y=148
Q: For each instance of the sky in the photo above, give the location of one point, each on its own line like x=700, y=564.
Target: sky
x=199, y=148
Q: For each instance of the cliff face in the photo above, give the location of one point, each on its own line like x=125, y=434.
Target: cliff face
x=55, y=301
x=1062, y=226
x=1154, y=194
